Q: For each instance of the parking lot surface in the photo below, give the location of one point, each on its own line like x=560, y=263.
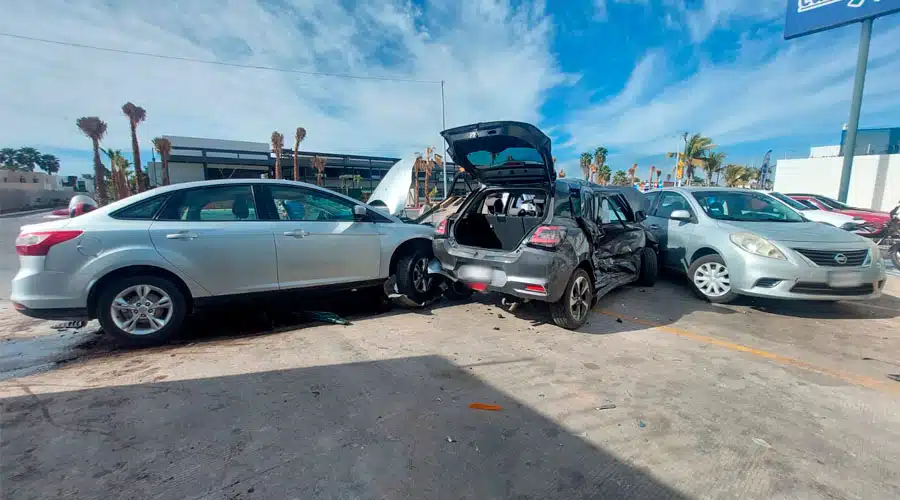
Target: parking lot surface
x=660, y=395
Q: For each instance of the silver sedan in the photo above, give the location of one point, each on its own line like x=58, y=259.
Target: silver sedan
x=733, y=242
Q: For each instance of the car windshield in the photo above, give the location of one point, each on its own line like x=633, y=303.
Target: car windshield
x=745, y=206
x=487, y=159
x=787, y=200
x=836, y=205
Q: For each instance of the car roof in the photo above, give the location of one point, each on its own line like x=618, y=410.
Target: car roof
x=694, y=189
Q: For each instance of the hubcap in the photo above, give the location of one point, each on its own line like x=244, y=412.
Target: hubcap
x=141, y=309
x=421, y=278
x=712, y=279
x=580, y=299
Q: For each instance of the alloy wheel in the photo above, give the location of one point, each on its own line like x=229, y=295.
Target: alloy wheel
x=579, y=301
x=421, y=278
x=712, y=279
x=141, y=309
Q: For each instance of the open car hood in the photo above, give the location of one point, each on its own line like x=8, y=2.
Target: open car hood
x=479, y=149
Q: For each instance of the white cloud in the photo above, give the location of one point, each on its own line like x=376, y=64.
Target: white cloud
x=784, y=89
x=496, y=60
x=715, y=14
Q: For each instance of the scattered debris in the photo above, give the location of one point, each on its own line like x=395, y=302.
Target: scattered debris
x=69, y=325
x=485, y=406
x=501, y=316
x=607, y=406
x=497, y=328
x=618, y=320
x=641, y=424
x=894, y=376
x=326, y=317
x=761, y=443
x=450, y=439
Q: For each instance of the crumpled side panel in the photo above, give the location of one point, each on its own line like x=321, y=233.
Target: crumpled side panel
x=616, y=257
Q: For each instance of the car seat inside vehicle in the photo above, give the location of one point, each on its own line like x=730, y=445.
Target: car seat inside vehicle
x=500, y=221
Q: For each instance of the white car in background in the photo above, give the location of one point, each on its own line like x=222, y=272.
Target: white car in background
x=835, y=219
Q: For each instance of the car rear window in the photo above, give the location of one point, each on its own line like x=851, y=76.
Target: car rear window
x=487, y=159
x=142, y=210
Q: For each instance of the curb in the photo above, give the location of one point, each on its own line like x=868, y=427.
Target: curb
x=27, y=212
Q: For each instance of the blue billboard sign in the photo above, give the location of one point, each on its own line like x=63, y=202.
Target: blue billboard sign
x=805, y=17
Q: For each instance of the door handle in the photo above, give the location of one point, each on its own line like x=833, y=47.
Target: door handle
x=297, y=233
x=654, y=226
x=182, y=235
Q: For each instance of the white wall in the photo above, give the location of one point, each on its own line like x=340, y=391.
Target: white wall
x=199, y=142
x=184, y=172
x=874, y=183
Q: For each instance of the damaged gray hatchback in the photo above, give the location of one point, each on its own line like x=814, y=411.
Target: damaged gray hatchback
x=526, y=234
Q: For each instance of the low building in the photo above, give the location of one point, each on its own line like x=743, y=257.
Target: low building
x=874, y=181
x=21, y=190
x=196, y=159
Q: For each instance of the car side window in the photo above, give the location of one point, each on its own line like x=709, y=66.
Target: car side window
x=143, y=210
x=618, y=213
x=670, y=202
x=218, y=203
x=808, y=204
x=299, y=204
x=651, y=200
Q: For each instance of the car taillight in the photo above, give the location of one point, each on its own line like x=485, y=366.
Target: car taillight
x=39, y=243
x=547, y=236
x=441, y=229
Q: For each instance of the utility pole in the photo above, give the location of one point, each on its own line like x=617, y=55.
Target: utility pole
x=859, y=82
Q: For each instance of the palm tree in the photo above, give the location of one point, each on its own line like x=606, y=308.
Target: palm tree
x=752, y=174
x=696, y=147
x=652, y=171
x=164, y=146
x=277, y=148
x=136, y=115
x=114, y=181
x=586, y=165
x=600, y=156
x=604, y=173
x=631, y=173
x=48, y=163
x=298, y=138
x=562, y=174
x=27, y=158
x=95, y=128
x=621, y=178
x=318, y=164
x=8, y=159
x=735, y=175
x=714, y=161
x=427, y=167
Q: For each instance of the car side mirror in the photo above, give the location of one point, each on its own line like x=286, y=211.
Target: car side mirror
x=359, y=212
x=682, y=215
x=640, y=216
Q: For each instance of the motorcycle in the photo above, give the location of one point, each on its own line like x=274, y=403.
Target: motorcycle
x=890, y=238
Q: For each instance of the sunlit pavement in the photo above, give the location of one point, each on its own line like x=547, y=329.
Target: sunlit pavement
x=756, y=400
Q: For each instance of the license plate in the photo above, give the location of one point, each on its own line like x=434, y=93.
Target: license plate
x=844, y=279
x=481, y=274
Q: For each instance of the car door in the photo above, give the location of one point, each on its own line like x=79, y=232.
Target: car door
x=318, y=239
x=673, y=235
x=215, y=236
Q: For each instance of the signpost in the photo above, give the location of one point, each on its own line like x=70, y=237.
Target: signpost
x=805, y=17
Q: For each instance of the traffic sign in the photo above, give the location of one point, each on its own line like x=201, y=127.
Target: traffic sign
x=805, y=17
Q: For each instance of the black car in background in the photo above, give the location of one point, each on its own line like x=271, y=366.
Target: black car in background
x=526, y=234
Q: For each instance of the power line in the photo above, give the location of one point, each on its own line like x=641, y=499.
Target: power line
x=216, y=63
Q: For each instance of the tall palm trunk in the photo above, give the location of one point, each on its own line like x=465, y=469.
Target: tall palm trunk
x=297, y=159
x=99, y=177
x=136, y=151
x=165, y=168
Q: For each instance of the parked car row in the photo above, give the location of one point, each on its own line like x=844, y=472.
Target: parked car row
x=142, y=264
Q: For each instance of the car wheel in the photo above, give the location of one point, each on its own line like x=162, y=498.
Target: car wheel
x=710, y=279
x=457, y=290
x=413, y=279
x=649, y=267
x=141, y=310
x=895, y=255
x=571, y=311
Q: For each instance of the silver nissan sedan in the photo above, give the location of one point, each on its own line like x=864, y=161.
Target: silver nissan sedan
x=733, y=242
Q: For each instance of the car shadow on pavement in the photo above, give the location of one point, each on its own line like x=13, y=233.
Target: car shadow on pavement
x=885, y=307
x=398, y=428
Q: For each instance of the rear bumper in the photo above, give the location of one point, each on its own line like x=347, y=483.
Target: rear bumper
x=505, y=272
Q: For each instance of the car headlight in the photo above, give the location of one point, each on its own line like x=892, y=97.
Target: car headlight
x=757, y=245
x=874, y=256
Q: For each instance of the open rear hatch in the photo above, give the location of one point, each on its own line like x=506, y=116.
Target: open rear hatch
x=502, y=153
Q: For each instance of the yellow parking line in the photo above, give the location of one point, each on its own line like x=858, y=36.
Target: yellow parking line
x=860, y=380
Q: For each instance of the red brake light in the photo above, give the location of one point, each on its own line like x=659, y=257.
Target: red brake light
x=536, y=288
x=441, y=229
x=547, y=236
x=39, y=243
x=478, y=287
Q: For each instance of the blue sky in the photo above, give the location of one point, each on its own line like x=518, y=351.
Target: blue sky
x=630, y=75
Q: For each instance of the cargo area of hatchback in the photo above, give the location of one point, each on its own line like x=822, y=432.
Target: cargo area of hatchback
x=501, y=219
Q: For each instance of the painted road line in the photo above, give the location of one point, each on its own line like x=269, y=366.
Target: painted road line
x=860, y=380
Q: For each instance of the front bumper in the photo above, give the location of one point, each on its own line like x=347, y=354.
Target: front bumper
x=505, y=272
x=799, y=279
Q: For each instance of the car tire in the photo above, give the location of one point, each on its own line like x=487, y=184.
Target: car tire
x=143, y=331
x=895, y=255
x=457, y=290
x=412, y=276
x=649, y=267
x=712, y=288
x=573, y=308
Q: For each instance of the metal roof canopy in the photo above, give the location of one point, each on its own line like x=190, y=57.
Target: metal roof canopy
x=805, y=17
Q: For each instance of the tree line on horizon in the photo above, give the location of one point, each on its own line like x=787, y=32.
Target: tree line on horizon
x=699, y=152
x=27, y=159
